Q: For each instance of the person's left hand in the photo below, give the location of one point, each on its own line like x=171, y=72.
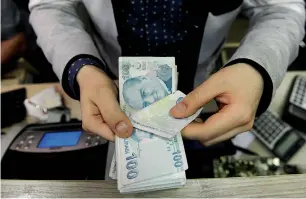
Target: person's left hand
x=237, y=89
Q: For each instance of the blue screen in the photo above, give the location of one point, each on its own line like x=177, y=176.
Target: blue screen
x=60, y=139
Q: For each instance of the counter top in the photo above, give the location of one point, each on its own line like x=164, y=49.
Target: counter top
x=268, y=186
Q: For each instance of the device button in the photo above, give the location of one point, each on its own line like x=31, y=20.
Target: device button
x=98, y=137
x=17, y=147
x=21, y=142
x=96, y=143
x=87, y=143
x=30, y=136
x=89, y=137
x=26, y=147
x=30, y=141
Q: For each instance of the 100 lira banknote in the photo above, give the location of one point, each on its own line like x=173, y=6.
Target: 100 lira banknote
x=156, y=118
x=143, y=159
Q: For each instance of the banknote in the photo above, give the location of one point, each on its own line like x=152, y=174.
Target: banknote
x=113, y=168
x=162, y=69
x=159, y=183
x=179, y=177
x=156, y=118
x=145, y=161
x=141, y=159
x=145, y=80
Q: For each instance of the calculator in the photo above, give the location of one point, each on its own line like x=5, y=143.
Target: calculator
x=278, y=136
x=298, y=95
x=295, y=108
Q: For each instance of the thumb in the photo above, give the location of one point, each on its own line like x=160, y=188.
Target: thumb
x=195, y=100
x=112, y=114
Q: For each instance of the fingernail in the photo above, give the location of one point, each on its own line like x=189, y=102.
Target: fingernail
x=181, y=107
x=122, y=128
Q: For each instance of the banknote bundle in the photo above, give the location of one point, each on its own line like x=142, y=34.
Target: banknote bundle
x=146, y=161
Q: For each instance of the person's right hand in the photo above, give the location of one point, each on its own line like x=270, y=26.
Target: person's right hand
x=101, y=113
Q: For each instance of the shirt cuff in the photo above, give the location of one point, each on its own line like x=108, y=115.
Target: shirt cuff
x=267, y=93
x=69, y=82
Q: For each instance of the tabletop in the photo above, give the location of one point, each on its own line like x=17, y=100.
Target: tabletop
x=272, y=186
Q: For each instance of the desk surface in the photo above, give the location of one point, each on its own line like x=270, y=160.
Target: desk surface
x=274, y=186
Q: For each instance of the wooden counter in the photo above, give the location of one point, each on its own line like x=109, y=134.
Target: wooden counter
x=271, y=186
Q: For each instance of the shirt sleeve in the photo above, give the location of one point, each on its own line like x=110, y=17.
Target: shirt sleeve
x=72, y=70
x=271, y=44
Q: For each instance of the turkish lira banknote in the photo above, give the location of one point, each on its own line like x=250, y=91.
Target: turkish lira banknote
x=157, y=120
x=144, y=161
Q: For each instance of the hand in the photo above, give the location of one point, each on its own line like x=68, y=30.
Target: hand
x=237, y=89
x=116, y=83
x=101, y=113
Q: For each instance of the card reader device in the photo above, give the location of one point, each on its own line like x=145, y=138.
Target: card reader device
x=54, y=151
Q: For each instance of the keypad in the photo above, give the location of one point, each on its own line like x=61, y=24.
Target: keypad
x=298, y=95
x=93, y=140
x=30, y=136
x=25, y=142
x=268, y=127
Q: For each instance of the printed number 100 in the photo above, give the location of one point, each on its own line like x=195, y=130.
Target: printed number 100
x=177, y=158
x=131, y=166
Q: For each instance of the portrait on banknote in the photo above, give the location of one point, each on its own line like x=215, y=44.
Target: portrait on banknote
x=143, y=90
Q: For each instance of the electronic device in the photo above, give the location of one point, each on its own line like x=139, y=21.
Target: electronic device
x=295, y=108
x=279, y=137
x=229, y=166
x=54, y=151
x=12, y=107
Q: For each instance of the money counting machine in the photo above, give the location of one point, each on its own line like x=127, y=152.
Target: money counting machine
x=54, y=151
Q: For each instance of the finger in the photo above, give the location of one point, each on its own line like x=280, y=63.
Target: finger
x=111, y=112
x=92, y=120
x=196, y=99
x=101, y=129
x=116, y=83
x=226, y=136
x=220, y=123
x=198, y=120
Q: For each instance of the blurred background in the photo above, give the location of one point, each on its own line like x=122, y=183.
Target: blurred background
x=22, y=61
x=32, y=104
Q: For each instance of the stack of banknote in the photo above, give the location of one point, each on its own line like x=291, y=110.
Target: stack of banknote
x=146, y=161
